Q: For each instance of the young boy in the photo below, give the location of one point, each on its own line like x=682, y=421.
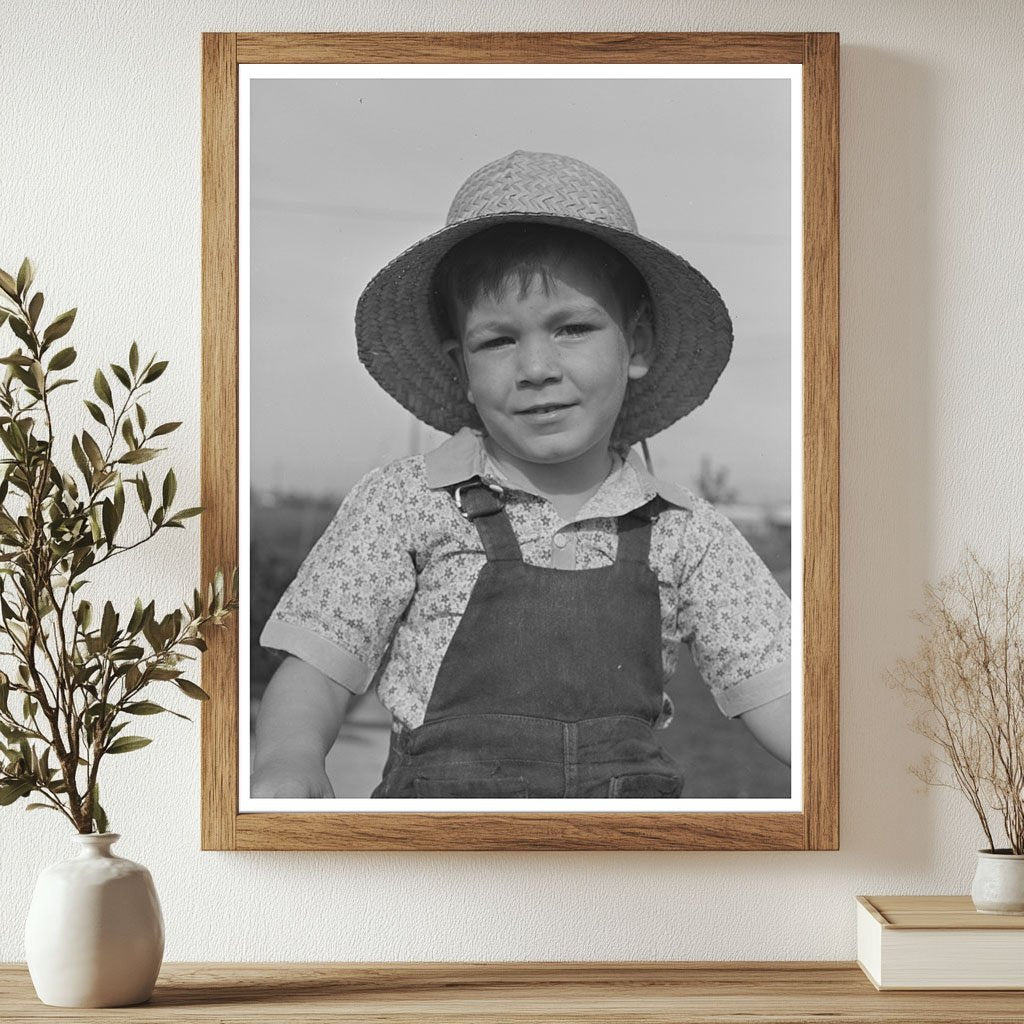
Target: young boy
x=520, y=592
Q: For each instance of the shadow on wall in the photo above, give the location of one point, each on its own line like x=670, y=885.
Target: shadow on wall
x=888, y=273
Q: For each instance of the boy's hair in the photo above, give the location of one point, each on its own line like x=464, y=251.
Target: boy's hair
x=485, y=262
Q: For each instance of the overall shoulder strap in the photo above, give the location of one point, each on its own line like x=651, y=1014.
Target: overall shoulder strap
x=635, y=531
x=484, y=506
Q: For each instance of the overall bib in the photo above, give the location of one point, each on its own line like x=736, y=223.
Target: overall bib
x=552, y=682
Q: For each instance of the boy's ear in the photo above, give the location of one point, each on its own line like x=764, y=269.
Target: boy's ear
x=640, y=338
x=452, y=348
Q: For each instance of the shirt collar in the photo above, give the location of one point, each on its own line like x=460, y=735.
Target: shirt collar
x=463, y=456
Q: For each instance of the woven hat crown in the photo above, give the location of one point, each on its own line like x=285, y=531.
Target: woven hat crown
x=542, y=183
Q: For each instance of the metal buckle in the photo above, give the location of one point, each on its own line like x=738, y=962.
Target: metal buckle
x=651, y=511
x=498, y=492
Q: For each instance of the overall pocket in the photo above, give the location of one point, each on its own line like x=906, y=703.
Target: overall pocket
x=645, y=785
x=470, y=787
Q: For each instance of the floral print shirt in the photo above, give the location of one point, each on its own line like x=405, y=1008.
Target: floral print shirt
x=381, y=593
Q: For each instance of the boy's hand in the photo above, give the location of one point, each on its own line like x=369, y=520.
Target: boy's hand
x=770, y=725
x=299, y=782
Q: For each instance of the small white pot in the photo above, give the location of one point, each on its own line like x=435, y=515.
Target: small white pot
x=999, y=882
x=95, y=933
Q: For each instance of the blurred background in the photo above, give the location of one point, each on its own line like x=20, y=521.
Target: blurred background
x=346, y=173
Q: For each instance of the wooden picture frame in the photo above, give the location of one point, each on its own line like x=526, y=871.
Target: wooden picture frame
x=816, y=825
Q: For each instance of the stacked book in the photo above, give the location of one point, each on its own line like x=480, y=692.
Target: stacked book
x=938, y=942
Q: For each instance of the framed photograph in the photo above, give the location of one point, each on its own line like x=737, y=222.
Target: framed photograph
x=544, y=565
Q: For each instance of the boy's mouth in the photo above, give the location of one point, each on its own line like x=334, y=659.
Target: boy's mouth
x=546, y=409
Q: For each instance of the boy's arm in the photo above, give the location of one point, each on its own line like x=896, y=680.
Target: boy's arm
x=736, y=620
x=298, y=722
x=770, y=725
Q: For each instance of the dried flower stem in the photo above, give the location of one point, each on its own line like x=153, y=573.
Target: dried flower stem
x=967, y=680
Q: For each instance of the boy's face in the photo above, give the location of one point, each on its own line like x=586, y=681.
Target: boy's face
x=547, y=370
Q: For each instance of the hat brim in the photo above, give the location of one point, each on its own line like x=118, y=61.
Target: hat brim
x=399, y=331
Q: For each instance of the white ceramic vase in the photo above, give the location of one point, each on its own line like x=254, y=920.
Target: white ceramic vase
x=95, y=933
x=999, y=883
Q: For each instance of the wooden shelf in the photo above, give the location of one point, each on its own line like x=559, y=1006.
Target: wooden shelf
x=660, y=993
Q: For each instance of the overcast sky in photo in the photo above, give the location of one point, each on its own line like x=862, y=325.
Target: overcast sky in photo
x=347, y=173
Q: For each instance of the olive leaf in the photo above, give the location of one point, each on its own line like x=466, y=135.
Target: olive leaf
x=63, y=359
x=125, y=744
x=102, y=388
x=60, y=326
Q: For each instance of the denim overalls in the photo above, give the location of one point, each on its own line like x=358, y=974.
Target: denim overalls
x=551, y=685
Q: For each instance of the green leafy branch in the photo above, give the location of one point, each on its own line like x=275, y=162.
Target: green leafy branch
x=80, y=676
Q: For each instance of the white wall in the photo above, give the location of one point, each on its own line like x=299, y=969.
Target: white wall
x=99, y=182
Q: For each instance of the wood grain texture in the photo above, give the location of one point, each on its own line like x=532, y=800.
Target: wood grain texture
x=818, y=826
x=520, y=831
x=821, y=441
x=615, y=993
x=521, y=48
x=219, y=445
x=936, y=912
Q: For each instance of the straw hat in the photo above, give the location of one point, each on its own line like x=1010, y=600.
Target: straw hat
x=399, y=328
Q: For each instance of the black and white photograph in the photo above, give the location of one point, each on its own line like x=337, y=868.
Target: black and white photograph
x=520, y=466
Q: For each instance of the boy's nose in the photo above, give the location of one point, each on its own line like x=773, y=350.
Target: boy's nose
x=537, y=361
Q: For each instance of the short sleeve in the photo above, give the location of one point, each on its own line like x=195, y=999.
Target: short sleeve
x=735, y=618
x=340, y=611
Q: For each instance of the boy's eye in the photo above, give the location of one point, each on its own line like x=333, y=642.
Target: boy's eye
x=575, y=329
x=493, y=343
